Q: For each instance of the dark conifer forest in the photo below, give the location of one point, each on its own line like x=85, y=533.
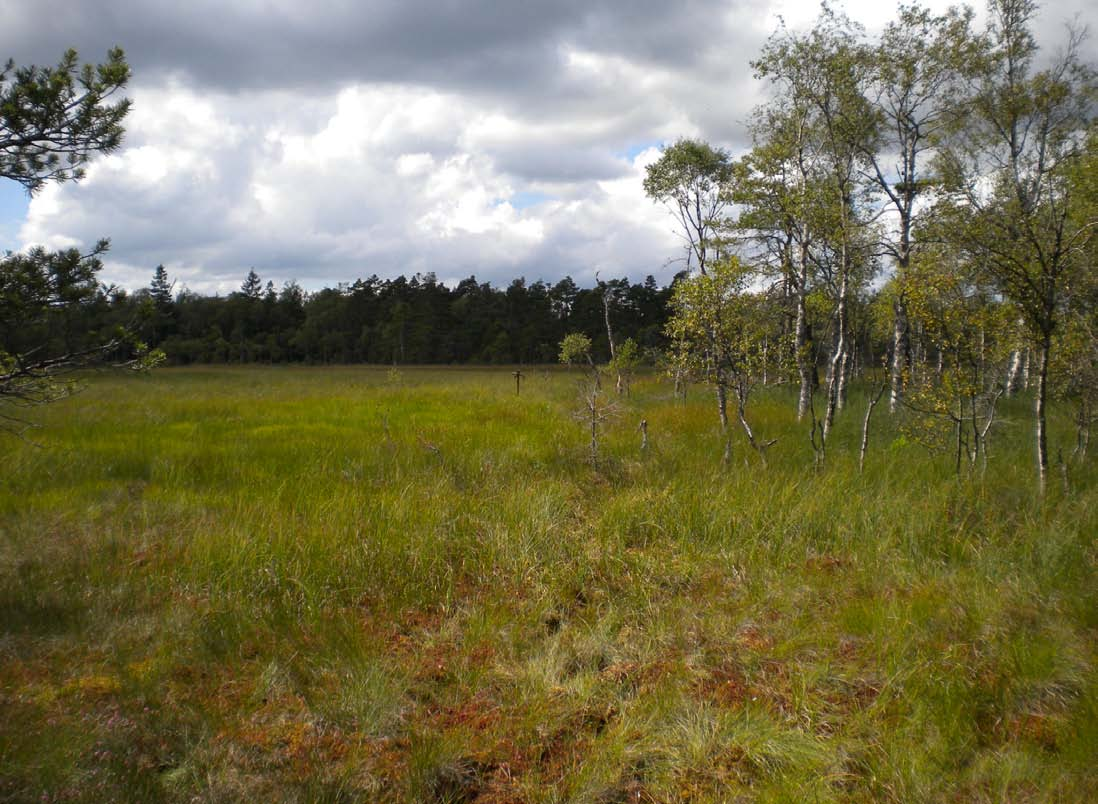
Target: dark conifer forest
x=416, y=320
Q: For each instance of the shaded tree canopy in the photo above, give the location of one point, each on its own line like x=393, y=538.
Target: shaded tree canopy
x=54, y=119
x=54, y=314
x=401, y=320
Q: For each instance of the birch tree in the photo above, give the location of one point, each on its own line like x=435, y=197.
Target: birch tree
x=1008, y=168
x=691, y=178
x=777, y=188
x=826, y=71
x=1074, y=363
x=575, y=350
x=916, y=70
x=717, y=320
x=959, y=313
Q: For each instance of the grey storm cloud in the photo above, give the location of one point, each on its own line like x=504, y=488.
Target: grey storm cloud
x=476, y=45
x=329, y=140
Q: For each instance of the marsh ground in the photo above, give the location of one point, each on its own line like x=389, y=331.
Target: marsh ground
x=358, y=584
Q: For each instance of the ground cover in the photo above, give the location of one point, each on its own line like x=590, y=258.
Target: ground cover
x=361, y=584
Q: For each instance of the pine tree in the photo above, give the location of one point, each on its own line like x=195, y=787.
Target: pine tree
x=161, y=289
x=253, y=285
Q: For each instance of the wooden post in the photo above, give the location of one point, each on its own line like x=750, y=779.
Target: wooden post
x=644, y=434
x=518, y=380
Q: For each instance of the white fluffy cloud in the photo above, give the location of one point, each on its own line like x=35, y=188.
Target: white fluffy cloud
x=381, y=179
x=472, y=140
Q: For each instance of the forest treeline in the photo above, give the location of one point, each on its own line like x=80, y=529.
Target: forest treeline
x=421, y=321
x=417, y=320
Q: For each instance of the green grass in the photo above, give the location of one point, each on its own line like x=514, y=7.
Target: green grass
x=363, y=585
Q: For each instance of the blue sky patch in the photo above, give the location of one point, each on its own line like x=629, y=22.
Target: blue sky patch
x=631, y=151
x=525, y=199
x=13, y=211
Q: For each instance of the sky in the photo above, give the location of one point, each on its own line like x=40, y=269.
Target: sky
x=326, y=141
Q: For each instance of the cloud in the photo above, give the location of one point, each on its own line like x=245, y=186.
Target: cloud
x=382, y=180
x=474, y=45
x=338, y=139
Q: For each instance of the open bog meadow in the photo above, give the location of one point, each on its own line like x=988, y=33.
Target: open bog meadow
x=364, y=584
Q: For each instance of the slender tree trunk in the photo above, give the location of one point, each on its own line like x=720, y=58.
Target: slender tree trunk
x=1014, y=372
x=722, y=410
x=960, y=431
x=619, y=385
x=594, y=437
x=1082, y=431
x=1039, y=410
x=844, y=374
x=865, y=426
x=836, y=359
x=981, y=366
x=804, y=369
x=900, y=348
x=974, y=450
x=766, y=362
x=722, y=404
x=836, y=386
x=741, y=410
x=985, y=434
x=593, y=410
x=595, y=373
x=916, y=364
x=816, y=437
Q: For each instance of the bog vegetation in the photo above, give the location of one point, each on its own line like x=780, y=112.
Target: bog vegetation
x=703, y=560
x=361, y=584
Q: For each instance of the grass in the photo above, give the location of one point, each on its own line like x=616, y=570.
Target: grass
x=366, y=585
